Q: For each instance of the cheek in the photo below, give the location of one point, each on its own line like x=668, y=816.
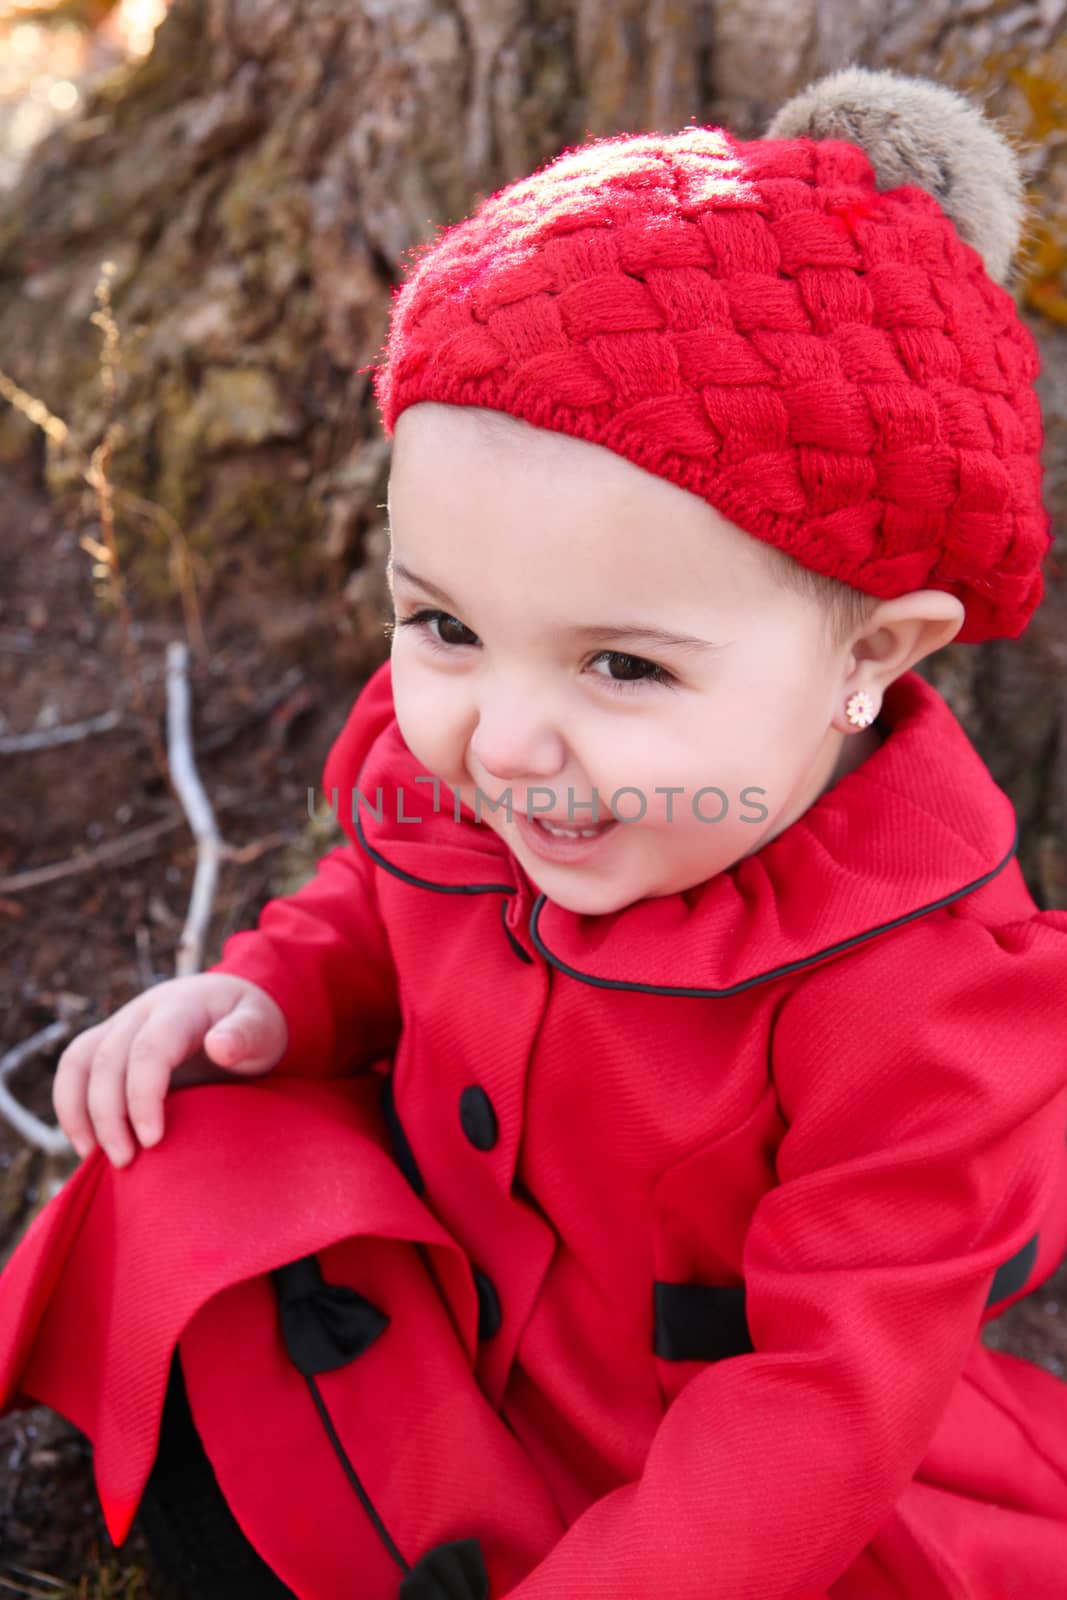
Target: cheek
x=659, y=753
x=775, y=746
x=429, y=719
x=727, y=743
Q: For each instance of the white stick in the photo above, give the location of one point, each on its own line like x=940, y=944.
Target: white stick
x=209, y=847
x=197, y=808
x=14, y=744
x=52, y=1140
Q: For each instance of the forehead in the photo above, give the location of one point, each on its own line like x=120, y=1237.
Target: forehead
x=473, y=490
x=429, y=435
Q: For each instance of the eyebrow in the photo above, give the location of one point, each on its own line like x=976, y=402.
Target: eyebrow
x=589, y=630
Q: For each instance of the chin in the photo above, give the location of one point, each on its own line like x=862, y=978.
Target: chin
x=588, y=900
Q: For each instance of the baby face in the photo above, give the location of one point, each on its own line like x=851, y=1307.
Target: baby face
x=570, y=627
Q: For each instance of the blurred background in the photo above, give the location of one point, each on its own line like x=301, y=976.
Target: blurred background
x=204, y=205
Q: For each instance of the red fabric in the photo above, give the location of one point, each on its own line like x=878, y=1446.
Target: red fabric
x=833, y=1078
x=827, y=364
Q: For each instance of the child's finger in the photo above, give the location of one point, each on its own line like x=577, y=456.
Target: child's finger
x=169, y=1035
x=245, y=1039
x=106, y=1092
x=69, y=1087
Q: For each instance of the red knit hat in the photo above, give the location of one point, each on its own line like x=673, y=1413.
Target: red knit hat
x=793, y=328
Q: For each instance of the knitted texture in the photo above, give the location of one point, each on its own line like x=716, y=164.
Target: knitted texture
x=829, y=365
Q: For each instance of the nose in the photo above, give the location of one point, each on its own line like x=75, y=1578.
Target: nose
x=513, y=740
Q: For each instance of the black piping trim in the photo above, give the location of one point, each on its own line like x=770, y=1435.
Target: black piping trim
x=455, y=1568
x=671, y=989
x=350, y=1473
x=424, y=883
x=775, y=972
x=515, y=945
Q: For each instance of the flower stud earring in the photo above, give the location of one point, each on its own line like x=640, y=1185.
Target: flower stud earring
x=860, y=709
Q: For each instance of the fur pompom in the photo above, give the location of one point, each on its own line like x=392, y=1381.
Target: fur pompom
x=916, y=131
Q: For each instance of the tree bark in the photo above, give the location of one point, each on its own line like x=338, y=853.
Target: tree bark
x=259, y=177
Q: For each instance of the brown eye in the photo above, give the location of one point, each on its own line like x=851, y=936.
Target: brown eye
x=429, y=622
x=445, y=624
x=632, y=666
x=635, y=670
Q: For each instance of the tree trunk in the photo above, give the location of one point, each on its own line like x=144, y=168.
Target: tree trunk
x=258, y=178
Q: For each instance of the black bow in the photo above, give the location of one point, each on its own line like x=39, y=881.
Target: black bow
x=454, y=1571
x=325, y=1324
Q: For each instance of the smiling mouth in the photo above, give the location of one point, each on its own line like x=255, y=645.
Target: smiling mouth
x=554, y=842
x=562, y=831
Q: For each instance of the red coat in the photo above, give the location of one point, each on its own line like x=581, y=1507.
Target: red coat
x=667, y=1239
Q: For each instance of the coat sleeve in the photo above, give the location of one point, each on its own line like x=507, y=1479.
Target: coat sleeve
x=923, y=1083
x=323, y=953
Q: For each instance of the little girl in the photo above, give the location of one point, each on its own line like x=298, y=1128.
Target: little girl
x=595, y=1182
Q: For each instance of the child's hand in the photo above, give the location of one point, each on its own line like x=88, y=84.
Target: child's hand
x=123, y=1066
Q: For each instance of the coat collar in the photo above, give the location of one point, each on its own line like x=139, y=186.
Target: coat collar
x=917, y=825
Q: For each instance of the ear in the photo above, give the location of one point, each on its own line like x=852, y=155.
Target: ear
x=898, y=634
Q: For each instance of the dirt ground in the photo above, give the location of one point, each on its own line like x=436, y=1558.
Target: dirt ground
x=83, y=944
x=265, y=710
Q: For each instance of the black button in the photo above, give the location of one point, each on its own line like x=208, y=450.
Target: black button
x=478, y=1117
x=488, y=1305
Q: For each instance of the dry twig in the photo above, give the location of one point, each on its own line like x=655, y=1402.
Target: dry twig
x=218, y=738
x=190, y=791
x=144, y=956
x=130, y=845
x=182, y=562
x=17, y=744
x=177, y=766
x=107, y=554
x=52, y=1140
x=201, y=818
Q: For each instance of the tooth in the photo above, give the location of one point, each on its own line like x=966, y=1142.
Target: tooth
x=567, y=833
